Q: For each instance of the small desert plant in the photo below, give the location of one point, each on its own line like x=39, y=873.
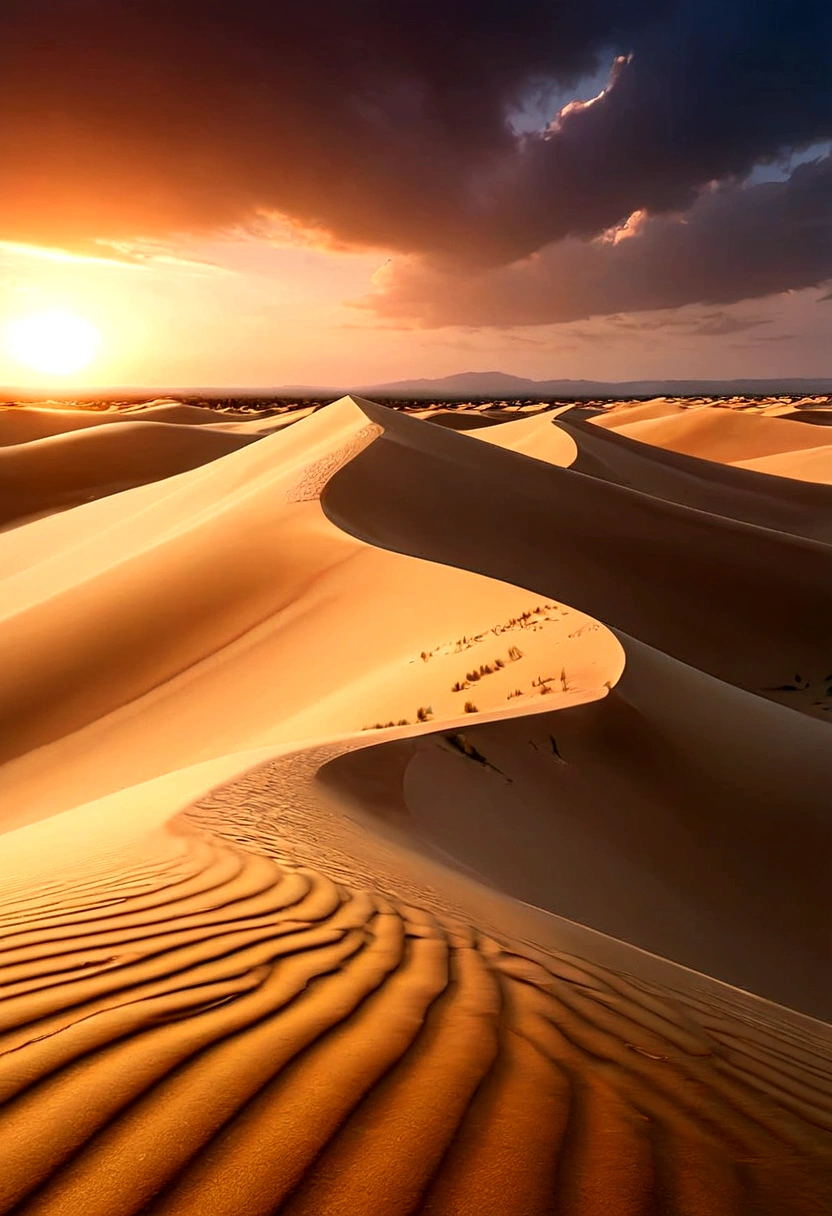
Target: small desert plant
x=470, y=707
x=498, y=663
x=564, y=683
x=425, y=656
x=515, y=653
x=424, y=712
x=518, y=692
x=472, y=676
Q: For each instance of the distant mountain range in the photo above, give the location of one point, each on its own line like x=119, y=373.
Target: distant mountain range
x=467, y=385
x=499, y=384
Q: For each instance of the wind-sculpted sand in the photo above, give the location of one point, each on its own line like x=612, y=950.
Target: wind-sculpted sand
x=403, y=820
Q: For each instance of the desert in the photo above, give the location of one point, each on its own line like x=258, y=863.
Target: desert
x=404, y=814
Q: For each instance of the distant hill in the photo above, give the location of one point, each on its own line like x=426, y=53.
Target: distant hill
x=500, y=384
x=461, y=386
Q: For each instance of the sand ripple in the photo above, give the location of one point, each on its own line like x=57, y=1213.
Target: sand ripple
x=241, y=1036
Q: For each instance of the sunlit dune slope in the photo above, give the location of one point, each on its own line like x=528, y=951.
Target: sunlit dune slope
x=536, y=437
x=720, y=434
x=807, y=464
x=222, y=611
x=626, y=413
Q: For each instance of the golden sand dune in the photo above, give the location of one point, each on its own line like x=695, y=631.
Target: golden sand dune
x=629, y=412
x=154, y=635
x=19, y=424
x=78, y=465
x=318, y=743
x=807, y=464
x=535, y=436
x=716, y=434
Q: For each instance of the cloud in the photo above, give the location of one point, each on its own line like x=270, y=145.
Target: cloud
x=386, y=123
x=736, y=242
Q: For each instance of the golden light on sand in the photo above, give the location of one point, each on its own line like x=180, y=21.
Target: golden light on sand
x=55, y=343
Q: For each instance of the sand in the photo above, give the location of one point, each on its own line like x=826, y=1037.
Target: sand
x=403, y=817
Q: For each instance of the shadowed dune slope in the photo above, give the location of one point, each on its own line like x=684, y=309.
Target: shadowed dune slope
x=662, y=814
x=719, y=489
x=19, y=424
x=694, y=585
x=70, y=468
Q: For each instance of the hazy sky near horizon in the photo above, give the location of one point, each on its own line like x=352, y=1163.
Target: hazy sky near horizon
x=253, y=194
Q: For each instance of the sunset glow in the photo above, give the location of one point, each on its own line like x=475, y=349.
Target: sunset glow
x=55, y=343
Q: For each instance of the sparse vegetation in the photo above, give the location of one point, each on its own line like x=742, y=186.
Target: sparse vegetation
x=460, y=744
x=459, y=686
x=533, y=618
x=518, y=692
x=424, y=712
x=470, y=707
x=514, y=653
x=819, y=688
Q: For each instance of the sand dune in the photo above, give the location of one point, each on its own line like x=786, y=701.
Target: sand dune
x=349, y=774
x=20, y=424
x=343, y=627
x=537, y=437
x=626, y=413
x=718, y=489
x=76, y=466
x=597, y=546
x=808, y=464
x=718, y=434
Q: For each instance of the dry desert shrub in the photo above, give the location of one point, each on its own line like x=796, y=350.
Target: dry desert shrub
x=424, y=712
x=470, y=707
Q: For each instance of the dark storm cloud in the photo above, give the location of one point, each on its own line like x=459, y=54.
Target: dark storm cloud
x=387, y=122
x=737, y=242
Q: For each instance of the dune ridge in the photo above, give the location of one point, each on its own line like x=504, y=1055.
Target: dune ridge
x=268, y=947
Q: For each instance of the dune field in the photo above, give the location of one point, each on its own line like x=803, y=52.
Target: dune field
x=416, y=812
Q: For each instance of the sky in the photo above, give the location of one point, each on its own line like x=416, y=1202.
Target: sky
x=254, y=195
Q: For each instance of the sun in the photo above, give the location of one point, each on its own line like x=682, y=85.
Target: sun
x=55, y=343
